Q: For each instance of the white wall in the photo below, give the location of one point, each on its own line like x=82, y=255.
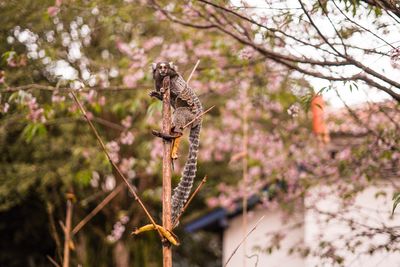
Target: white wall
x=371, y=208
x=273, y=221
x=368, y=210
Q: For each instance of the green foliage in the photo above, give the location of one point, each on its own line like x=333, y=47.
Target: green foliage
x=32, y=130
x=396, y=201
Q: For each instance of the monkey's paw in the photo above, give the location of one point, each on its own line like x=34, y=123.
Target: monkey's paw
x=155, y=94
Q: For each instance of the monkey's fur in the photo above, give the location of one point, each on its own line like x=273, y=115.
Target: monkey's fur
x=187, y=107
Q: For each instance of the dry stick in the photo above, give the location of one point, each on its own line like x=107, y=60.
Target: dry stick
x=67, y=232
x=114, y=165
x=245, y=169
x=53, y=231
x=53, y=261
x=238, y=246
x=190, y=199
x=166, y=172
x=191, y=74
x=61, y=89
x=99, y=207
x=198, y=116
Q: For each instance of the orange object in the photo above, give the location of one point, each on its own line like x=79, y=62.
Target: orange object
x=318, y=122
x=175, y=147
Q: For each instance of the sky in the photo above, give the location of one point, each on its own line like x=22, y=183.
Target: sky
x=377, y=62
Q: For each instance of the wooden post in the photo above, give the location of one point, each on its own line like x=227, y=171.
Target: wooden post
x=166, y=169
x=67, y=230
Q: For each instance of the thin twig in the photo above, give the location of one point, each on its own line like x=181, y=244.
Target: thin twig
x=62, y=225
x=241, y=242
x=63, y=89
x=190, y=199
x=191, y=74
x=131, y=189
x=67, y=232
x=198, y=116
x=53, y=231
x=99, y=207
x=245, y=144
x=52, y=261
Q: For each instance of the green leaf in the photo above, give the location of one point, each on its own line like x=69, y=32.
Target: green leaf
x=396, y=199
x=157, y=105
x=33, y=129
x=83, y=177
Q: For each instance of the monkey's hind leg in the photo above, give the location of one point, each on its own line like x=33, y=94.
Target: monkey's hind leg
x=181, y=116
x=167, y=137
x=175, y=148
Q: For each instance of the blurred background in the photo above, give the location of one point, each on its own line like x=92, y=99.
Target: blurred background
x=301, y=149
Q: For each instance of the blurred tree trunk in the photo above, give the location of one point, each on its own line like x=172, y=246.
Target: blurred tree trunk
x=121, y=255
x=81, y=249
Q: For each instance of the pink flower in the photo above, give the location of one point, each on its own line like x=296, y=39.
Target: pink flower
x=212, y=202
x=130, y=80
x=246, y=53
x=90, y=96
x=55, y=98
x=102, y=100
x=6, y=107
x=2, y=76
x=127, y=122
x=126, y=165
x=127, y=138
x=124, y=48
x=113, y=149
x=53, y=10
x=152, y=42
x=35, y=113
x=89, y=115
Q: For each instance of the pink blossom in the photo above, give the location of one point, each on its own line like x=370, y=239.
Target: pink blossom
x=159, y=15
x=127, y=122
x=55, y=98
x=113, y=149
x=156, y=151
x=35, y=114
x=53, y=10
x=102, y=101
x=176, y=52
x=11, y=60
x=130, y=80
x=395, y=54
x=126, y=164
x=124, y=48
x=90, y=96
x=2, y=76
x=246, y=53
x=86, y=153
x=152, y=42
x=212, y=202
x=294, y=110
x=89, y=115
x=6, y=107
x=127, y=138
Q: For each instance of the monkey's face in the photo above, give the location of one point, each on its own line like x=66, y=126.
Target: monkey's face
x=164, y=69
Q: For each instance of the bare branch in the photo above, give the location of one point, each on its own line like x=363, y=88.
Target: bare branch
x=98, y=208
x=131, y=189
x=241, y=242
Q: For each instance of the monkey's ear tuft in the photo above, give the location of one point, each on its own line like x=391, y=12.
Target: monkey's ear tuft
x=173, y=66
x=153, y=66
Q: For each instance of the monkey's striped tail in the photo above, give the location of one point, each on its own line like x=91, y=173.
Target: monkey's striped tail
x=182, y=191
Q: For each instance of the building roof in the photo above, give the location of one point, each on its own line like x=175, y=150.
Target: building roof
x=217, y=219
